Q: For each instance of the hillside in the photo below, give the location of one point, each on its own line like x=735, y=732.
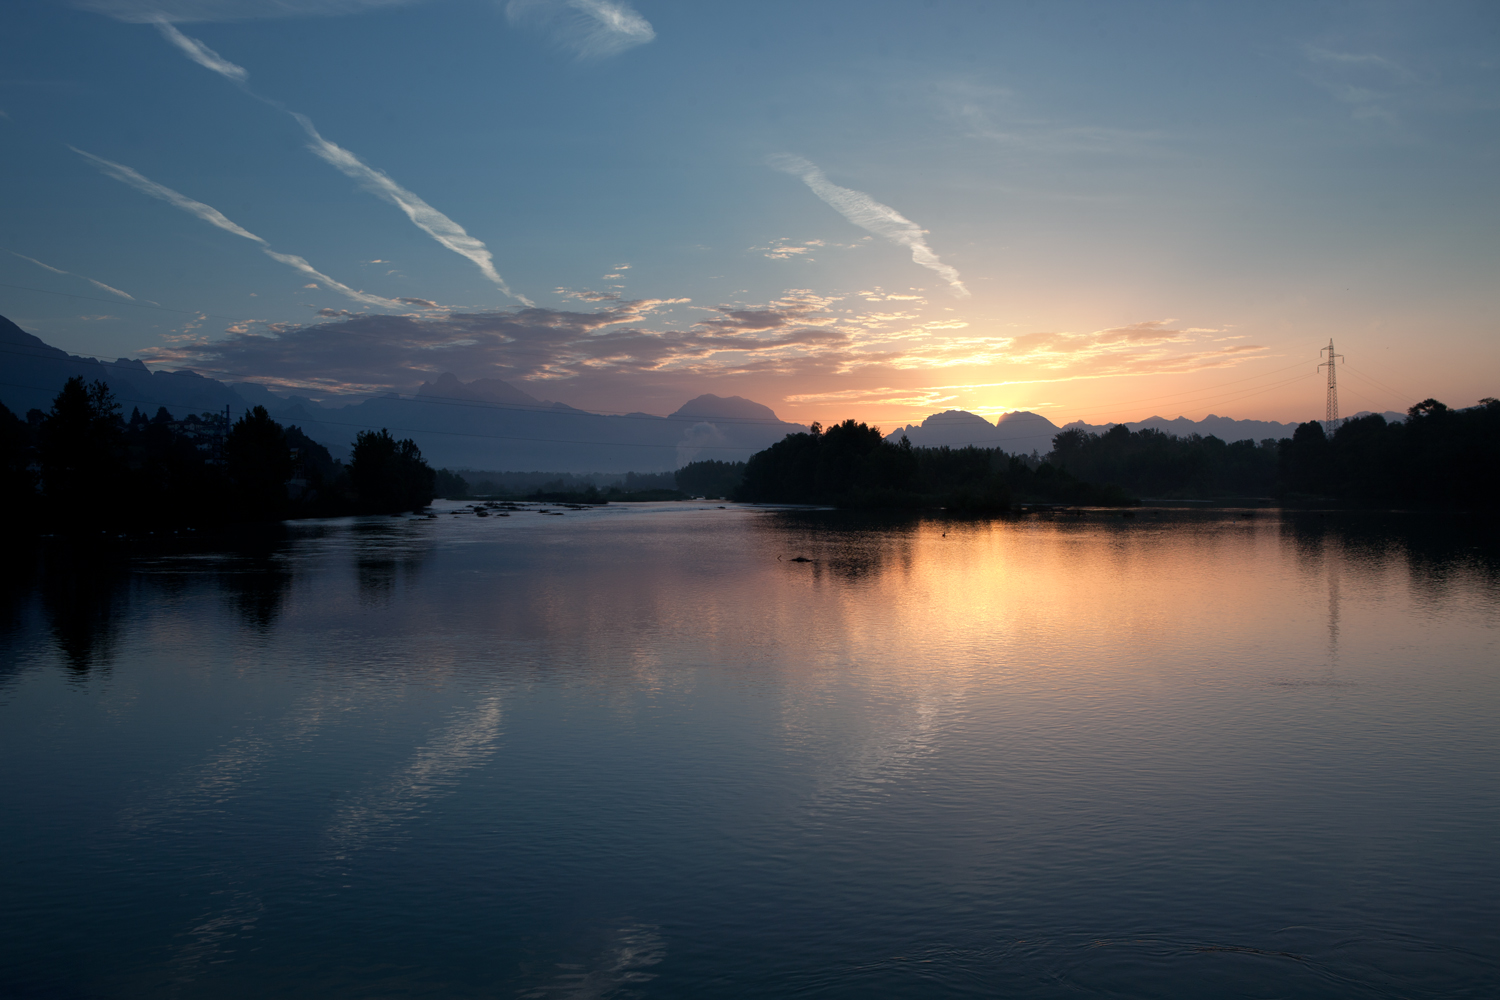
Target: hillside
x=485, y=423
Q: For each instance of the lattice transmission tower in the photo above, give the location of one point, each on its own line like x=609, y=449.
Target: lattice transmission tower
x=1331, y=414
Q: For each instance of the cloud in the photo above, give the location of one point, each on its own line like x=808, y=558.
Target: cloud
x=57, y=270
x=373, y=352
x=207, y=213
x=202, y=54
x=992, y=114
x=110, y=288
x=785, y=248
x=214, y=217
x=591, y=28
x=1367, y=82
x=1151, y=347
x=434, y=223
x=150, y=11
x=626, y=350
x=292, y=260
x=869, y=214
x=426, y=218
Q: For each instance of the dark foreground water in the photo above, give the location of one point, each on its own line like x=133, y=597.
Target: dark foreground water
x=639, y=752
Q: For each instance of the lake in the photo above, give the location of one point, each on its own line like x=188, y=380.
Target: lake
x=638, y=751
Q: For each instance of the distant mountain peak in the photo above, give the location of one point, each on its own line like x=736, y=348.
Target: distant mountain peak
x=484, y=390
x=16, y=340
x=711, y=407
x=1020, y=432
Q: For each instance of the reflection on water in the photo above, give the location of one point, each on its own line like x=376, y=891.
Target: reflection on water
x=84, y=597
x=676, y=751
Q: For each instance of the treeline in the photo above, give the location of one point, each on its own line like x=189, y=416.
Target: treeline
x=1436, y=457
x=83, y=467
x=708, y=478
x=1149, y=463
x=851, y=465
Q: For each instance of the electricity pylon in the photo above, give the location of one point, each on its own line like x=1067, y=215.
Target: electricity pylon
x=1331, y=414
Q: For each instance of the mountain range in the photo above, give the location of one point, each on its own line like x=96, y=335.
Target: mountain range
x=483, y=424
x=1019, y=433
x=492, y=424
x=1023, y=432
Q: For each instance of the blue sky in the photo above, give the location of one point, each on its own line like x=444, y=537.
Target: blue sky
x=879, y=210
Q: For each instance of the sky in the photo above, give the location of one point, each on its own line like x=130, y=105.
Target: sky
x=878, y=210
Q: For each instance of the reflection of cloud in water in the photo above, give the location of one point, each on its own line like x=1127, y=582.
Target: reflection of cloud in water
x=215, y=781
x=212, y=939
x=467, y=743
x=634, y=948
x=854, y=769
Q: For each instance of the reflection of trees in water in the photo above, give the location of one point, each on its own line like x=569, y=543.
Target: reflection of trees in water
x=385, y=552
x=257, y=585
x=1437, y=548
x=84, y=593
x=845, y=544
x=17, y=586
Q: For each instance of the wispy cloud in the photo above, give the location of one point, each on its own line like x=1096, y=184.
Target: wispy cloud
x=994, y=114
x=869, y=214
x=1150, y=347
x=292, y=260
x=207, y=213
x=1369, y=83
x=434, y=223
x=147, y=11
x=214, y=217
x=590, y=28
x=57, y=270
x=202, y=54
x=428, y=219
x=786, y=248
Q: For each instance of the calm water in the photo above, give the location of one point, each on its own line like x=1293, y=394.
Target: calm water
x=632, y=752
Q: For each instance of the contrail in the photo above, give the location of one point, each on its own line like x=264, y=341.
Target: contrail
x=214, y=217
x=869, y=214
x=292, y=260
x=428, y=219
x=57, y=270
x=200, y=53
x=207, y=213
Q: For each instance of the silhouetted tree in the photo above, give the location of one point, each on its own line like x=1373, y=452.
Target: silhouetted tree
x=710, y=478
x=82, y=451
x=850, y=463
x=1151, y=463
x=18, y=478
x=450, y=484
x=260, y=463
x=390, y=475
